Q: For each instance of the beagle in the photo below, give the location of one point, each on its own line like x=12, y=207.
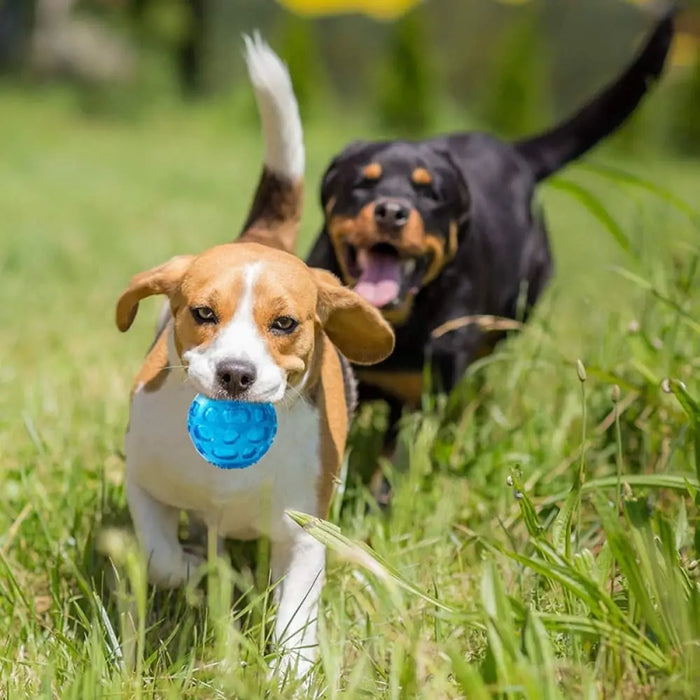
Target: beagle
x=250, y=321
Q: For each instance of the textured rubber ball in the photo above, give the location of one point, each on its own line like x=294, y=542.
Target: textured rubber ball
x=231, y=434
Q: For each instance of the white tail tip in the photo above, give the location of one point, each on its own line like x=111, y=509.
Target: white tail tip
x=279, y=112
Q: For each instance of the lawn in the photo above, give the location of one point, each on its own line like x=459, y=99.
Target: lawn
x=543, y=536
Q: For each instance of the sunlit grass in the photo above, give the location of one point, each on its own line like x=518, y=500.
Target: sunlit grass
x=478, y=589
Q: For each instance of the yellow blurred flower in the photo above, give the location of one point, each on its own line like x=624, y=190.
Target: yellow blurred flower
x=380, y=9
x=685, y=49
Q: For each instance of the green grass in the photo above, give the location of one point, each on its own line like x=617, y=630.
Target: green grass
x=515, y=561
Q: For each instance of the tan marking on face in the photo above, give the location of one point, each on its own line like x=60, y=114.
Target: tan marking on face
x=398, y=315
x=407, y=386
x=453, y=241
x=414, y=241
x=420, y=176
x=282, y=291
x=208, y=283
x=436, y=246
x=330, y=204
x=372, y=171
x=361, y=231
x=154, y=370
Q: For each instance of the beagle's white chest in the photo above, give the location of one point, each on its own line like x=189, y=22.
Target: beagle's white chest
x=241, y=503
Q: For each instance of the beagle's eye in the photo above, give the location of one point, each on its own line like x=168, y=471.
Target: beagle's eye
x=203, y=315
x=283, y=325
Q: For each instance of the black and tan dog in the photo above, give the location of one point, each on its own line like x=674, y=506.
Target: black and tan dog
x=436, y=230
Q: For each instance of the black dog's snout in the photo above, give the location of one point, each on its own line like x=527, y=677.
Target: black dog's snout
x=390, y=214
x=235, y=377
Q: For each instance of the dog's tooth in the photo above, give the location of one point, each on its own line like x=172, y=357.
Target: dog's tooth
x=362, y=257
x=409, y=266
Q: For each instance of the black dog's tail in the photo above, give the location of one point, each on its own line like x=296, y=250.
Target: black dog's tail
x=550, y=151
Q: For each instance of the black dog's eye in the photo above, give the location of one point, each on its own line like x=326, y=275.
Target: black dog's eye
x=364, y=183
x=283, y=325
x=203, y=315
x=429, y=192
x=372, y=172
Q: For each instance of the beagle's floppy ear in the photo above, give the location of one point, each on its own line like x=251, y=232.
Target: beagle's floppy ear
x=163, y=279
x=353, y=325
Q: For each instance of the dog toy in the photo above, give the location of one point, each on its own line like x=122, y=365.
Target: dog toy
x=231, y=434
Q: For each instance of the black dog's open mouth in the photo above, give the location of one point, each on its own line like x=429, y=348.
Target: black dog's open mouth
x=384, y=276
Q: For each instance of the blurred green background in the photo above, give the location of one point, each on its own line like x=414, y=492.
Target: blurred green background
x=128, y=134
x=509, y=66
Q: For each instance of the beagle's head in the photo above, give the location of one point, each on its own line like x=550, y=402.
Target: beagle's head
x=247, y=319
x=393, y=213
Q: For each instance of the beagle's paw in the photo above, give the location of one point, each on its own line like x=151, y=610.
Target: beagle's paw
x=294, y=666
x=174, y=570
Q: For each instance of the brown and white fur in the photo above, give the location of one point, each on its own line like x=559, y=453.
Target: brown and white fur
x=248, y=320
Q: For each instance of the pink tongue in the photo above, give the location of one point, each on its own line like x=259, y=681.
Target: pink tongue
x=380, y=280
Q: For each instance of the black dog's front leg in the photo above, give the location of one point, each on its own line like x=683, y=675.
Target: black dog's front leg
x=450, y=355
x=378, y=484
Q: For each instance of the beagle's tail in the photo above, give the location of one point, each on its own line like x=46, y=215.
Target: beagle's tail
x=276, y=211
x=553, y=149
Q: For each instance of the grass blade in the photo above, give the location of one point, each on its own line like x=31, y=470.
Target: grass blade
x=674, y=482
x=640, y=646
x=539, y=650
x=649, y=287
x=692, y=409
x=594, y=206
x=359, y=553
x=561, y=530
x=619, y=175
x=468, y=677
x=596, y=600
x=561, y=527
x=527, y=509
x=634, y=564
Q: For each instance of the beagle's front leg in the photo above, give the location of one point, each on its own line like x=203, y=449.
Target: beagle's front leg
x=169, y=565
x=298, y=569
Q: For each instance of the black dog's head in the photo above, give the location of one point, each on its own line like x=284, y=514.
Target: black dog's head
x=393, y=212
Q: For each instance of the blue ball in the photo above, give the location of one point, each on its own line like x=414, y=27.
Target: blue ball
x=231, y=434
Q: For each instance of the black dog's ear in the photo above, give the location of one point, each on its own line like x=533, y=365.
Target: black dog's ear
x=464, y=194
x=328, y=181
x=330, y=177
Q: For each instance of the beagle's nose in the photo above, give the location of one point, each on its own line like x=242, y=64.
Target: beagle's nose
x=236, y=376
x=390, y=214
